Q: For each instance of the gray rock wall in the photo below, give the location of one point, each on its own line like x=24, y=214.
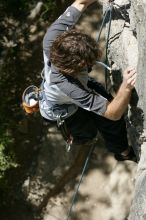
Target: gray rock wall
x=138, y=21
x=138, y=24
x=127, y=47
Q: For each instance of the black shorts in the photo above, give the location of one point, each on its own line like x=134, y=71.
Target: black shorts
x=84, y=125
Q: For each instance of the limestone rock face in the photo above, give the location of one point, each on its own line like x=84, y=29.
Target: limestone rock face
x=127, y=48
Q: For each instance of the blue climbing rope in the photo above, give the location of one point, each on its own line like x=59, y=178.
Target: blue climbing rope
x=80, y=181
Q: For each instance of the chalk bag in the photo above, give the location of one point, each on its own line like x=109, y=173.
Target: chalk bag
x=30, y=99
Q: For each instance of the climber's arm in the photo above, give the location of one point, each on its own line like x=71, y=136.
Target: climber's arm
x=117, y=107
x=66, y=21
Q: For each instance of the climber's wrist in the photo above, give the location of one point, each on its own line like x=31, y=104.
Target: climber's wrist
x=81, y=5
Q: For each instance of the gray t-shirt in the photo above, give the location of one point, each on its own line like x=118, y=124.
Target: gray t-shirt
x=64, y=93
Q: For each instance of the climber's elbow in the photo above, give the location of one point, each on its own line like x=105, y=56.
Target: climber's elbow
x=113, y=117
x=112, y=113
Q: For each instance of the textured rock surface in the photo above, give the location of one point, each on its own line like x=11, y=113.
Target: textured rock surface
x=127, y=48
x=138, y=17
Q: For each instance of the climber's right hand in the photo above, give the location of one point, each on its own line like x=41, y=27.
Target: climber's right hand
x=129, y=78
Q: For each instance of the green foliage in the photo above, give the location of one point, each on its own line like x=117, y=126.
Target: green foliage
x=6, y=156
x=14, y=7
x=49, y=8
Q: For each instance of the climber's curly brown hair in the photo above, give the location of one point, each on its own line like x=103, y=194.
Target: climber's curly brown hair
x=72, y=51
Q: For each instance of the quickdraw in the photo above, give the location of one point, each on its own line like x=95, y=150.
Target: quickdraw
x=65, y=132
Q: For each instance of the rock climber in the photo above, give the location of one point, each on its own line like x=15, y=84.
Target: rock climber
x=82, y=102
